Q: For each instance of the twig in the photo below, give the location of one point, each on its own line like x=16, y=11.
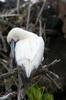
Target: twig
x=44, y=69
x=51, y=64
x=6, y=75
x=3, y=60
x=15, y=9
x=53, y=81
x=18, y=1
x=4, y=56
x=44, y=32
x=3, y=42
x=40, y=28
x=28, y=17
x=7, y=96
x=8, y=15
x=37, y=81
x=19, y=84
x=7, y=23
x=40, y=11
x=10, y=64
x=4, y=65
x=52, y=73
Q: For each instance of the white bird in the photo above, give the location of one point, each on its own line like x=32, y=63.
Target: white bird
x=29, y=49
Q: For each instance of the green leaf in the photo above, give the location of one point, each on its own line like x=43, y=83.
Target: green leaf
x=49, y=97
x=43, y=97
x=30, y=96
x=42, y=89
x=38, y=93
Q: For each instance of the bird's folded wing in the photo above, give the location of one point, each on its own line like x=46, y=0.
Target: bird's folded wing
x=28, y=49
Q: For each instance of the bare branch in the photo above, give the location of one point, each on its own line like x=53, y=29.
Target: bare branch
x=40, y=11
x=3, y=42
x=4, y=56
x=6, y=75
x=10, y=64
x=4, y=65
x=44, y=32
x=51, y=64
x=19, y=84
x=7, y=96
x=43, y=70
x=55, y=75
x=28, y=17
x=3, y=60
x=40, y=28
x=18, y=1
x=15, y=9
x=37, y=81
x=53, y=81
x=8, y=15
x=7, y=23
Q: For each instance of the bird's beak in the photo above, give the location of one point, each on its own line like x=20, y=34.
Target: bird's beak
x=12, y=45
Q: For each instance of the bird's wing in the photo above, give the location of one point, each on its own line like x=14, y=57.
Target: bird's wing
x=28, y=49
x=25, y=50
x=38, y=56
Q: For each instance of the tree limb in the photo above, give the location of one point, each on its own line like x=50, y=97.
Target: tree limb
x=8, y=96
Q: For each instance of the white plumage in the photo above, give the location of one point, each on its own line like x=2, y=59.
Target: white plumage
x=29, y=49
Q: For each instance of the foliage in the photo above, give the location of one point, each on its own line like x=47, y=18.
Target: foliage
x=39, y=93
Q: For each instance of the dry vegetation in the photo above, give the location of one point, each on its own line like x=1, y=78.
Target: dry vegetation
x=32, y=17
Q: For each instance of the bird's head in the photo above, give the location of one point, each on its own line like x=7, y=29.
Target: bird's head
x=13, y=35
x=12, y=38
